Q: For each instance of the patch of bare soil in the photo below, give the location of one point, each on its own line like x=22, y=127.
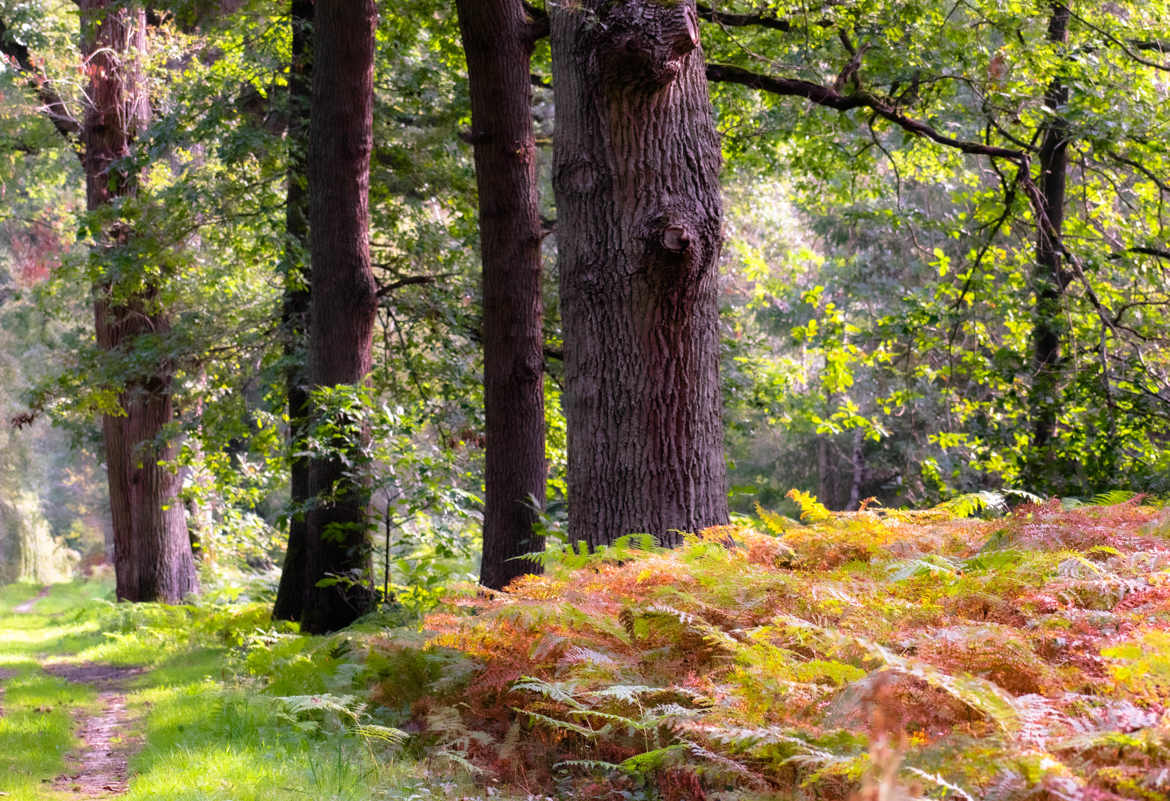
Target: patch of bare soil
x=98, y=769
x=30, y=604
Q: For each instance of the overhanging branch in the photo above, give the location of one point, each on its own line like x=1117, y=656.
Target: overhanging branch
x=830, y=97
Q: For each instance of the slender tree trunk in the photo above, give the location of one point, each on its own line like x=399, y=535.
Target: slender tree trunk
x=152, y=553
x=636, y=173
x=344, y=297
x=290, y=596
x=1049, y=280
x=498, y=43
x=857, y=461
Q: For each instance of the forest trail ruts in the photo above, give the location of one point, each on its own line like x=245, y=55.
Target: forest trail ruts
x=28, y=606
x=98, y=768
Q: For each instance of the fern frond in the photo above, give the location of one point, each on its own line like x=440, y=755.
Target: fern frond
x=547, y=689
x=560, y=725
x=811, y=510
x=935, y=779
x=974, y=503
x=1114, y=497
x=775, y=523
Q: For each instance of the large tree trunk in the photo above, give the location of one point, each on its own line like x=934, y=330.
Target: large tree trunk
x=1042, y=472
x=344, y=299
x=152, y=553
x=290, y=596
x=636, y=173
x=498, y=43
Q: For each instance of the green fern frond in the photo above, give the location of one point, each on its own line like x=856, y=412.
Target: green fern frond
x=974, y=503
x=1114, y=497
x=560, y=725
x=648, y=761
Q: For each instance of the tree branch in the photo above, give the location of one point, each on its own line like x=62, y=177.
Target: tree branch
x=410, y=280
x=743, y=20
x=1127, y=49
x=538, y=22
x=829, y=97
x=53, y=105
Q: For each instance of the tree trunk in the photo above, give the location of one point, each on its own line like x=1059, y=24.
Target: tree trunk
x=1042, y=472
x=290, y=596
x=498, y=43
x=636, y=173
x=152, y=553
x=344, y=298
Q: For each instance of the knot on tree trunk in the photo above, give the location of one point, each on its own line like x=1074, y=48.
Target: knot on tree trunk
x=642, y=43
x=678, y=242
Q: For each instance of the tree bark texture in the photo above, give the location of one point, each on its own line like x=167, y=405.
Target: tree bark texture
x=344, y=299
x=1049, y=280
x=152, y=552
x=498, y=44
x=290, y=595
x=639, y=216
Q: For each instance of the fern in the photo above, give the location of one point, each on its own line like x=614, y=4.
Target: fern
x=775, y=523
x=811, y=510
x=1115, y=497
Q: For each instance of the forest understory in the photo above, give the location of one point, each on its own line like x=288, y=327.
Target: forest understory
x=965, y=652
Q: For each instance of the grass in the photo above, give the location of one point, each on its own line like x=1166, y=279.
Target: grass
x=36, y=730
x=216, y=712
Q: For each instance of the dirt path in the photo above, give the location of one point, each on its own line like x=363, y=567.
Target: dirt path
x=98, y=768
x=27, y=607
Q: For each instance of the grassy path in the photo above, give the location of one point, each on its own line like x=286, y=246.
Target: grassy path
x=36, y=730
x=189, y=703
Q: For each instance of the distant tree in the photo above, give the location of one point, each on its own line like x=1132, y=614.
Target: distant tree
x=497, y=37
x=639, y=214
x=152, y=552
x=1049, y=276
x=344, y=299
x=290, y=595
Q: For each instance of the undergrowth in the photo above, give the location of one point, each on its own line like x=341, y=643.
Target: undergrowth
x=878, y=654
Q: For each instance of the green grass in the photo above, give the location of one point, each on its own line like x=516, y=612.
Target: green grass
x=36, y=730
x=208, y=710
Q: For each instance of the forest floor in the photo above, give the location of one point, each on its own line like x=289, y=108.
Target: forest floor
x=98, y=767
x=964, y=652
x=163, y=703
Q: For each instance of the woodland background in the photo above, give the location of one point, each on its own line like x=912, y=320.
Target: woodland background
x=941, y=295
x=880, y=303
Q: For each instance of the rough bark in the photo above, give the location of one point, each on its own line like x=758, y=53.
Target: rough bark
x=636, y=173
x=152, y=553
x=290, y=595
x=344, y=297
x=497, y=40
x=1049, y=280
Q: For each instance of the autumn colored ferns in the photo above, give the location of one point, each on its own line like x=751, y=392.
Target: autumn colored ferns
x=877, y=654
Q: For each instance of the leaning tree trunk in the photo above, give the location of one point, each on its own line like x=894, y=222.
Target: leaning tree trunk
x=152, y=553
x=290, y=596
x=497, y=40
x=344, y=299
x=636, y=173
x=1042, y=471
